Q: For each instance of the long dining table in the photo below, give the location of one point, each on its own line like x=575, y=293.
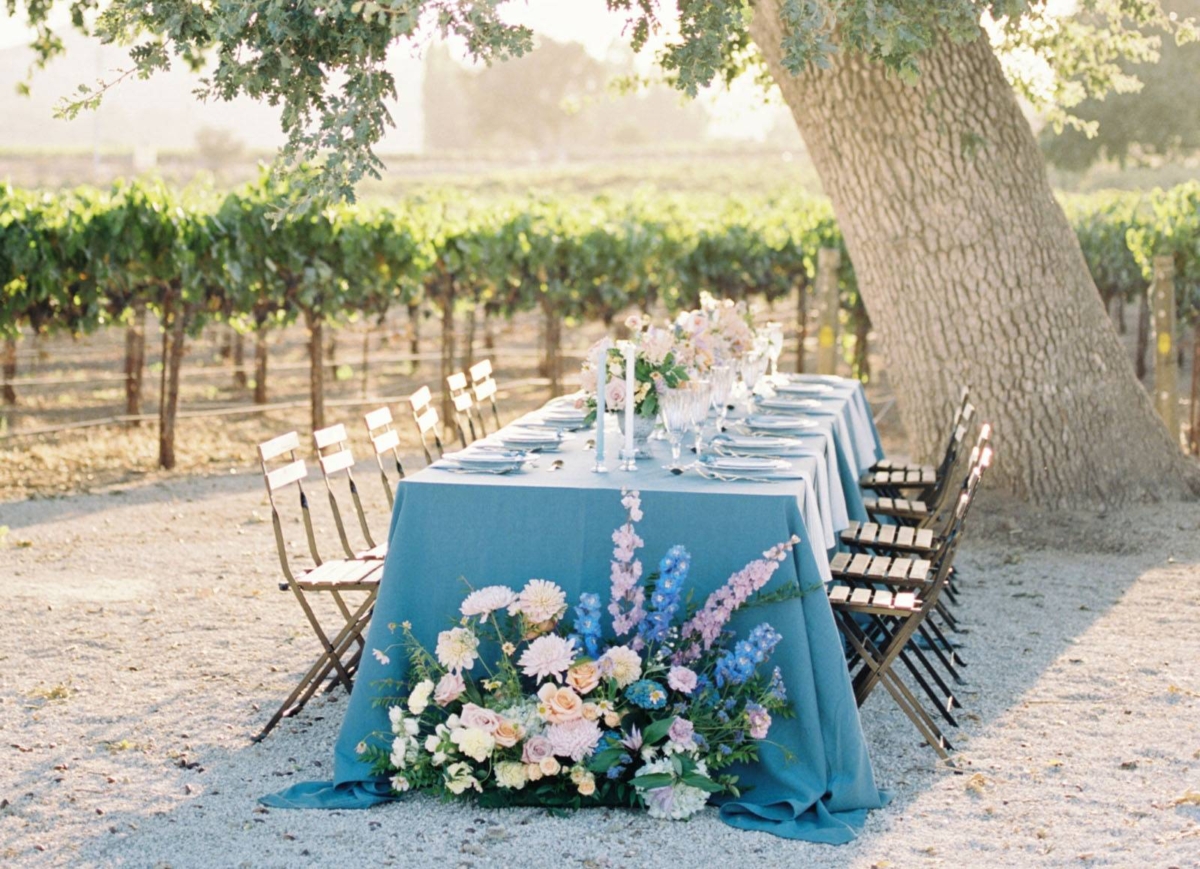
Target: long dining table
x=554, y=520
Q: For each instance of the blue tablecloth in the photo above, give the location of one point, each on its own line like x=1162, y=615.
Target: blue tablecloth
x=558, y=525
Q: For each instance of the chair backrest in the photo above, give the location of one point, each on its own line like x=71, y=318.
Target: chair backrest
x=426, y=417
x=384, y=439
x=484, y=387
x=463, y=405
x=334, y=457
x=958, y=432
x=290, y=473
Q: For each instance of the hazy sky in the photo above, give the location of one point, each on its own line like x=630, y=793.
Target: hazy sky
x=737, y=114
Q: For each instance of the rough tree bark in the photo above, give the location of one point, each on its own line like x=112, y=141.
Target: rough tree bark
x=135, y=360
x=316, y=367
x=972, y=273
x=10, y=371
x=447, y=358
x=551, y=364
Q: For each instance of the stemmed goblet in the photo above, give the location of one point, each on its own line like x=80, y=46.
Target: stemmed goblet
x=676, y=408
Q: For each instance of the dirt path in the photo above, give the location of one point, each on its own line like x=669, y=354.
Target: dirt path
x=145, y=642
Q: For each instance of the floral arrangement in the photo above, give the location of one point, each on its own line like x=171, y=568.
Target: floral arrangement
x=655, y=365
x=720, y=331
x=568, y=714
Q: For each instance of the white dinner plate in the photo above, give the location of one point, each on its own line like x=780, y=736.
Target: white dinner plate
x=747, y=464
x=759, y=422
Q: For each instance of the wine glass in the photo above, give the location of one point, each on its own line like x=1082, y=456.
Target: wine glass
x=774, y=349
x=676, y=408
x=754, y=366
x=701, y=390
x=722, y=378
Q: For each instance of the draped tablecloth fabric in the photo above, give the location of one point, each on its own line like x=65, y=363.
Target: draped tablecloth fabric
x=815, y=782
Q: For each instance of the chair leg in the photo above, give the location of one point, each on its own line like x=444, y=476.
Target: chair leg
x=955, y=658
x=321, y=668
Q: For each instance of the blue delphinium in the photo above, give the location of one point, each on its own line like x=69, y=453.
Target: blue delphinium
x=647, y=694
x=738, y=664
x=665, y=600
x=778, y=689
x=587, y=624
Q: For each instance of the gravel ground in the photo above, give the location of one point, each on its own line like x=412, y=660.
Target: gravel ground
x=145, y=643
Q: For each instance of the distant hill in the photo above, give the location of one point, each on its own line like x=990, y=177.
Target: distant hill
x=160, y=113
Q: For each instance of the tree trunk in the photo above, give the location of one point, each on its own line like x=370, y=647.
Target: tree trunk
x=260, y=365
x=173, y=338
x=331, y=355
x=10, y=370
x=239, y=361
x=489, y=330
x=135, y=360
x=973, y=273
x=469, y=348
x=414, y=334
x=316, y=367
x=447, y=357
x=1143, y=335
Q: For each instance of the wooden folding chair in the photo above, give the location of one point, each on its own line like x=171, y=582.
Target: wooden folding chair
x=334, y=457
x=927, y=511
x=891, y=475
x=384, y=439
x=464, y=405
x=484, y=387
x=339, y=656
x=881, y=603
x=426, y=417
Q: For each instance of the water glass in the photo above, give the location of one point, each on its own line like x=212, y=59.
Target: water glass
x=675, y=406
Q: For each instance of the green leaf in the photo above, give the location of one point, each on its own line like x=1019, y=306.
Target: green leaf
x=657, y=730
x=703, y=782
x=653, y=780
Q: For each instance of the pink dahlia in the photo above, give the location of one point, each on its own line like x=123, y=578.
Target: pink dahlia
x=548, y=656
x=487, y=600
x=574, y=739
x=539, y=601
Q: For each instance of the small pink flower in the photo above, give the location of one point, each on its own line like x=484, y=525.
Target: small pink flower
x=536, y=749
x=449, y=688
x=760, y=722
x=483, y=719
x=682, y=679
x=614, y=395
x=682, y=733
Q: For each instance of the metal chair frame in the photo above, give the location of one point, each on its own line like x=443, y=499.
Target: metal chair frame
x=460, y=394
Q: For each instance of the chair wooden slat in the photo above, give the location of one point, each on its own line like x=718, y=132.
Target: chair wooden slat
x=389, y=440
x=278, y=446
x=860, y=596
x=289, y=473
x=485, y=390
x=481, y=370
x=858, y=565
x=338, y=461
x=840, y=562
x=879, y=567
x=379, y=417
x=334, y=434
x=883, y=598
x=887, y=533
x=457, y=381
x=839, y=594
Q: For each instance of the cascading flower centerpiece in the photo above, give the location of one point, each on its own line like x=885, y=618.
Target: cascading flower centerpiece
x=529, y=700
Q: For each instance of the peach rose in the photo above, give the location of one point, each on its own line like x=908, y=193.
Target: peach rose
x=584, y=677
x=449, y=688
x=507, y=734
x=587, y=787
x=533, y=772
x=611, y=719
x=550, y=766
x=559, y=704
x=591, y=711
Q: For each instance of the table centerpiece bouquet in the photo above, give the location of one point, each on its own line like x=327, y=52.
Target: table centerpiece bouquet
x=719, y=332
x=528, y=701
x=656, y=365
